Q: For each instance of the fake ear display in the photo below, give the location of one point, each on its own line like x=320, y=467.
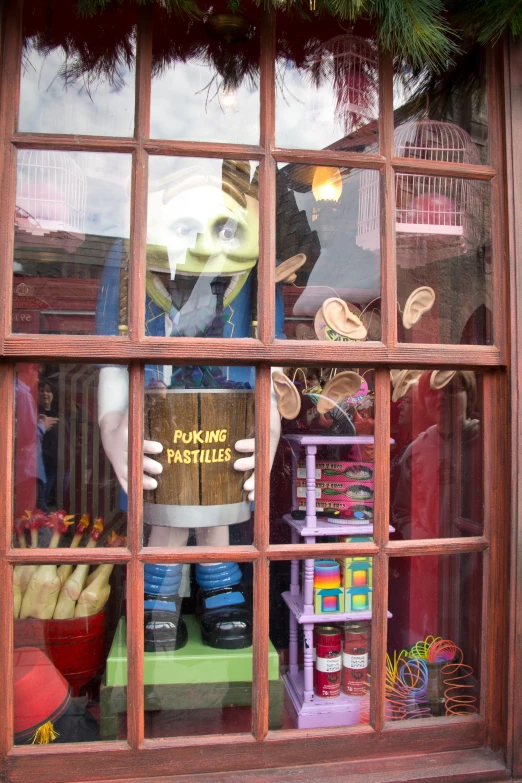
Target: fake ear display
x=288, y=399
x=345, y=384
x=440, y=378
x=286, y=272
x=342, y=321
x=419, y=302
x=402, y=380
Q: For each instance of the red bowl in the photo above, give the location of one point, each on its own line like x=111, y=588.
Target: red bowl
x=75, y=646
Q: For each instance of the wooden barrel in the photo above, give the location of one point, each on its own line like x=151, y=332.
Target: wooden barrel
x=198, y=429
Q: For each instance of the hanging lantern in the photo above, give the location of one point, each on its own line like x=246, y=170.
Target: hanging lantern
x=327, y=184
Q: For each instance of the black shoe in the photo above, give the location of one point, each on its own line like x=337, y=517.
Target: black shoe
x=227, y=626
x=165, y=629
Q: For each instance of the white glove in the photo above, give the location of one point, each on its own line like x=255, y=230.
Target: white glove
x=113, y=418
x=249, y=445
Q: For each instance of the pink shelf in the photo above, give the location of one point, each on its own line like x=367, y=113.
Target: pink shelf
x=296, y=606
x=324, y=528
x=332, y=440
x=319, y=713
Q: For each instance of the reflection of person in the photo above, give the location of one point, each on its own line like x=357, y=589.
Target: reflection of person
x=426, y=488
x=203, y=247
x=48, y=438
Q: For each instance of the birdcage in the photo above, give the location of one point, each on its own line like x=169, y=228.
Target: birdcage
x=50, y=194
x=425, y=204
x=349, y=64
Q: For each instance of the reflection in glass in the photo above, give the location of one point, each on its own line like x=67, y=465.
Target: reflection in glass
x=198, y=649
x=60, y=464
x=71, y=231
x=434, y=636
x=66, y=686
x=202, y=247
x=328, y=280
x=437, y=486
x=77, y=74
x=320, y=623
x=454, y=99
x=212, y=71
x=327, y=86
x=323, y=479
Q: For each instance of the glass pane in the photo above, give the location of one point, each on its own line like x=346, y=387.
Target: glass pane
x=443, y=116
x=65, y=685
x=434, y=636
x=437, y=481
x=327, y=250
x=202, y=248
x=320, y=623
x=77, y=72
x=71, y=242
x=63, y=480
x=198, y=649
x=322, y=481
x=444, y=269
x=327, y=84
x=211, y=69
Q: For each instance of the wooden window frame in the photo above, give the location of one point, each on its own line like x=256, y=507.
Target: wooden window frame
x=460, y=748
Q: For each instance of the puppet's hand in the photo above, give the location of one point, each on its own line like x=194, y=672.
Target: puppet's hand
x=249, y=446
x=114, y=429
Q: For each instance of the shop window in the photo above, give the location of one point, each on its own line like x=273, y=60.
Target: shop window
x=254, y=394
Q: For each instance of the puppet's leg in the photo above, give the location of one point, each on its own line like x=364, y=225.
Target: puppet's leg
x=224, y=609
x=165, y=629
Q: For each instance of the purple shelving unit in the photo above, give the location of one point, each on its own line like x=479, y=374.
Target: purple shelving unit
x=307, y=709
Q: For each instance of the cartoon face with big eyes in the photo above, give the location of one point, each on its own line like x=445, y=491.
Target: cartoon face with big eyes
x=208, y=225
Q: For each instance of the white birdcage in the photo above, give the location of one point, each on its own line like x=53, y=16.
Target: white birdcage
x=425, y=204
x=51, y=193
x=349, y=64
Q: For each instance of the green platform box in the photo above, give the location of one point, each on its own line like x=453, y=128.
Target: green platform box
x=195, y=677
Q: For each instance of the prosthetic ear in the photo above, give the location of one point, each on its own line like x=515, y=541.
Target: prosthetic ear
x=402, y=380
x=419, y=302
x=288, y=399
x=345, y=384
x=286, y=272
x=440, y=378
x=340, y=319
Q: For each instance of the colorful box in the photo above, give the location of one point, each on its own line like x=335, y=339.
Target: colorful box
x=357, y=578
x=328, y=600
x=342, y=470
x=326, y=491
x=361, y=513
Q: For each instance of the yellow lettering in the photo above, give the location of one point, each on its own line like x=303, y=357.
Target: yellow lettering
x=178, y=457
x=201, y=455
x=221, y=455
x=213, y=436
x=177, y=435
x=194, y=456
x=186, y=437
x=170, y=455
x=227, y=455
x=197, y=436
x=207, y=459
x=186, y=457
x=222, y=436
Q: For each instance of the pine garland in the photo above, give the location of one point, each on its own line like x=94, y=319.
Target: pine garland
x=423, y=33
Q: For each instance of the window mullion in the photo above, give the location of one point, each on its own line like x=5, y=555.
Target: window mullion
x=135, y=692
x=387, y=180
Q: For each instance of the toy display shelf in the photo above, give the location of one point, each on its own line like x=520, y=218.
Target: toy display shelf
x=305, y=614
x=306, y=708
x=325, y=528
x=317, y=712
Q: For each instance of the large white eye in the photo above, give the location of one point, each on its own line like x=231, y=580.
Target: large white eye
x=228, y=232
x=186, y=229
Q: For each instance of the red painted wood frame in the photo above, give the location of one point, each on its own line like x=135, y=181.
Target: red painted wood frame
x=461, y=748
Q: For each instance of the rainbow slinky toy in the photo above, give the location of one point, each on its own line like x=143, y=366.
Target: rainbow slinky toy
x=327, y=574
